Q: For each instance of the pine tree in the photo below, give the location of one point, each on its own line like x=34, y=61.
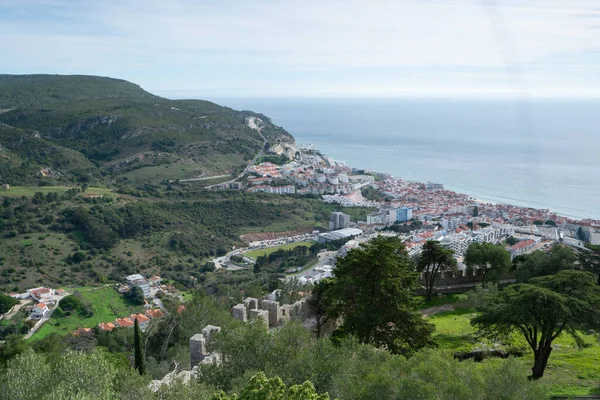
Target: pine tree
x=138, y=348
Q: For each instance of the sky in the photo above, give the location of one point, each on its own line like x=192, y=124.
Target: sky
x=271, y=48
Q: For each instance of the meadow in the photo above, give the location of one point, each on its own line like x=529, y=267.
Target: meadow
x=106, y=303
x=571, y=371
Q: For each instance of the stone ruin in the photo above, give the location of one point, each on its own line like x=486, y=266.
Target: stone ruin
x=199, y=354
x=271, y=312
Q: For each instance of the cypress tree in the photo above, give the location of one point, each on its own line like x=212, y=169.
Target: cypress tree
x=138, y=348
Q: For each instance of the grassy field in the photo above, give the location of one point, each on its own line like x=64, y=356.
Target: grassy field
x=254, y=254
x=570, y=372
x=17, y=191
x=106, y=304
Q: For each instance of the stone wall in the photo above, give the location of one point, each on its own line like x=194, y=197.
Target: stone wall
x=199, y=342
x=275, y=314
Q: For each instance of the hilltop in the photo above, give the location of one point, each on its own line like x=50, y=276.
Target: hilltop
x=102, y=130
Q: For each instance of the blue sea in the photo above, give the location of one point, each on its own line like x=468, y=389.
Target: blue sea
x=542, y=153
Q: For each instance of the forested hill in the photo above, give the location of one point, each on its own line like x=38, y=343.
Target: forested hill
x=94, y=129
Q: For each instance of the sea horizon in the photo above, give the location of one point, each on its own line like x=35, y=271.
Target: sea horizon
x=538, y=153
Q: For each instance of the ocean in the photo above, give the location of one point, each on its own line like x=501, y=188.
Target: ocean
x=541, y=153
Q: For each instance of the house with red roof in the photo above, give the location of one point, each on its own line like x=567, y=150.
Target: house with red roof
x=156, y=313
x=106, y=326
x=40, y=310
x=41, y=294
x=82, y=332
x=124, y=322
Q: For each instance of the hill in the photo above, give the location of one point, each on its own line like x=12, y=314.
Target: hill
x=102, y=130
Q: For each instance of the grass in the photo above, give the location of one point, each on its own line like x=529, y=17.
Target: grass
x=570, y=372
x=441, y=300
x=453, y=329
x=254, y=254
x=18, y=191
x=106, y=304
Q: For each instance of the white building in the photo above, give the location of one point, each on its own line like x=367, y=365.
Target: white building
x=40, y=310
x=339, y=234
x=376, y=218
x=42, y=295
x=287, y=189
x=141, y=282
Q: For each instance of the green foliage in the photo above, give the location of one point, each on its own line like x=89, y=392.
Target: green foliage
x=6, y=303
x=491, y=260
x=138, y=348
x=373, y=294
x=542, y=310
x=370, y=193
x=102, y=304
x=281, y=260
x=136, y=296
x=475, y=211
x=590, y=260
x=541, y=263
x=355, y=371
x=262, y=388
x=434, y=260
x=85, y=127
x=320, y=302
x=71, y=303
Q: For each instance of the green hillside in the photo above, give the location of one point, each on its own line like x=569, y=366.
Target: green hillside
x=93, y=129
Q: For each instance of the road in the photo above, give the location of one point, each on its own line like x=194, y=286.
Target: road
x=204, y=178
x=42, y=321
x=15, y=309
x=225, y=261
x=325, y=258
x=250, y=164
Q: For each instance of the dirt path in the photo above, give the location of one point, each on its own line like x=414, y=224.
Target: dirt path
x=438, y=309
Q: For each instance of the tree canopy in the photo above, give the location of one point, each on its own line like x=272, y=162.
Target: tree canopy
x=544, y=309
x=590, y=260
x=541, y=263
x=373, y=293
x=434, y=260
x=6, y=303
x=262, y=388
x=492, y=260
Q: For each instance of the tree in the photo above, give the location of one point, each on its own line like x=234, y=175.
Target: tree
x=541, y=263
x=372, y=292
x=138, y=348
x=511, y=241
x=590, y=260
x=543, y=310
x=492, y=260
x=262, y=388
x=434, y=260
x=136, y=295
x=475, y=211
x=71, y=303
x=6, y=303
x=319, y=302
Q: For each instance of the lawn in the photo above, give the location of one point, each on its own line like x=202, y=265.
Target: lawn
x=17, y=191
x=570, y=372
x=441, y=300
x=106, y=304
x=254, y=254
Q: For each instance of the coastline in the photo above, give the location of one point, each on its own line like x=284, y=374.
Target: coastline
x=482, y=200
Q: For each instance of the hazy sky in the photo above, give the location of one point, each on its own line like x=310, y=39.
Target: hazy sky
x=312, y=47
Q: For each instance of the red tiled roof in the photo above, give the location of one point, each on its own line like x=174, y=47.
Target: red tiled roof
x=140, y=317
x=523, y=244
x=106, y=326
x=124, y=322
x=156, y=313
